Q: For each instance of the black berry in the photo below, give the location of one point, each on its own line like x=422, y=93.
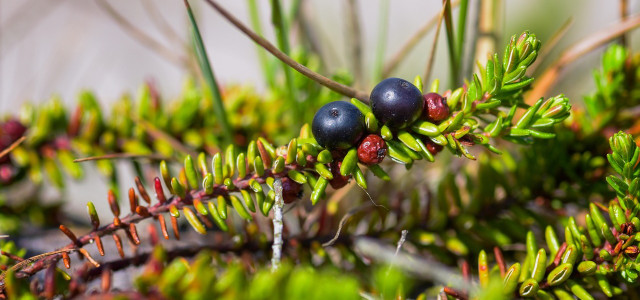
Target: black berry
x=435, y=107
x=372, y=150
x=338, y=125
x=396, y=102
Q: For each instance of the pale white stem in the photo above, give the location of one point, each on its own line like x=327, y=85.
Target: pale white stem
x=403, y=238
x=277, y=226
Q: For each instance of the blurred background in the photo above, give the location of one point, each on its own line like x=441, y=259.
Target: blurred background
x=112, y=47
x=63, y=46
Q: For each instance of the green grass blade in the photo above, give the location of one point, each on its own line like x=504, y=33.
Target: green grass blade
x=207, y=73
x=267, y=70
x=462, y=25
x=382, y=40
x=453, y=62
x=282, y=35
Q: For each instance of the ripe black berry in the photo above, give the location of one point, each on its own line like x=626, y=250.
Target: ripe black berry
x=396, y=102
x=372, y=150
x=338, y=125
x=435, y=107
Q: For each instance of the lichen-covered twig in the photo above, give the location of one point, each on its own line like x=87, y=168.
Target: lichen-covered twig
x=277, y=226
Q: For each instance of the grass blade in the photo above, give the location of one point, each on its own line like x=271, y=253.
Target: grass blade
x=462, y=26
x=267, y=71
x=282, y=36
x=453, y=60
x=382, y=40
x=210, y=79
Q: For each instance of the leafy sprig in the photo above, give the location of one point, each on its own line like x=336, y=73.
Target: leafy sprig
x=595, y=258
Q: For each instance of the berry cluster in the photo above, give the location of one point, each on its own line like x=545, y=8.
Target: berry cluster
x=394, y=102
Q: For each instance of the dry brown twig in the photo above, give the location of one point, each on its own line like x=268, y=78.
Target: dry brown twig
x=434, y=45
x=12, y=146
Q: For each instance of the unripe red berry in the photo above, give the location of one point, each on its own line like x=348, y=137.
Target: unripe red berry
x=432, y=147
x=372, y=150
x=338, y=180
x=291, y=190
x=10, y=131
x=435, y=107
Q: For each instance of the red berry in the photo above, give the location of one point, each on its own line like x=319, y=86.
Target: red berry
x=291, y=190
x=338, y=180
x=432, y=147
x=372, y=150
x=10, y=131
x=435, y=107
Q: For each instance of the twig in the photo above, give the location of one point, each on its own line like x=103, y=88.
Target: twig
x=155, y=211
x=395, y=60
x=414, y=264
x=593, y=41
x=12, y=146
x=343, y=221
x=403, y=238
x=434, y=45
x=277, y=226
x=333, y=85
x=123, y=156
x=141, y=36
x=30, y=260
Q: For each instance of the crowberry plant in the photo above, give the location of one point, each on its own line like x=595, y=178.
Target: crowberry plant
x=274, y=200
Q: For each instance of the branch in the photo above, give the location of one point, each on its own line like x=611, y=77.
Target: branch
x=12, y=146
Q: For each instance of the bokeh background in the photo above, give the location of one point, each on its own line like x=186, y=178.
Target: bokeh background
x=61, y=47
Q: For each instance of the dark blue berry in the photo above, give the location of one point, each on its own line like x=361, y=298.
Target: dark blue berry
x=338, y=125
x=396, y=102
